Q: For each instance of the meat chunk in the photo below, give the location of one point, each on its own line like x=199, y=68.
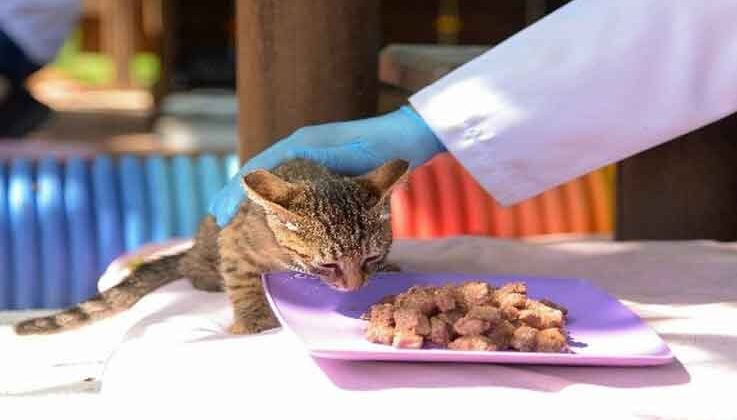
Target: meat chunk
x=387, y=299
x=485, y=312
x=524, y=338
x=411, y=320
x=516, y=300
x=514, y=287
x=468, y=316
x=529, y=318
x=445, y=298
x=510, y=313
x=477, y=321
x=440, y=331
x=451, y=316
x=420, y=298
x=501, y=334
x=472, y=343
x=380, y=334
x=474, y=293
x=382, y=314
x=471, y=326
x=551, y=304
x=541, y=317
x=517, y=289
x=551, y=340
x=407, y=340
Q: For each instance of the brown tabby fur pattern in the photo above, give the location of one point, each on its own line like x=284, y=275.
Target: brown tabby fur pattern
x=300, y=217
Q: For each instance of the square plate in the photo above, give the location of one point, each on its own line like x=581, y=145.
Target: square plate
x=603, y=331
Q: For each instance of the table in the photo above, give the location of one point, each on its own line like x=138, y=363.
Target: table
x=174, y=356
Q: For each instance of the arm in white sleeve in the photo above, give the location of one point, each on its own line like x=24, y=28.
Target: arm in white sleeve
x=39, y=27
x=588, y=85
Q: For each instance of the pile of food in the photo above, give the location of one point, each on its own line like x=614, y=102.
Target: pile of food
x=468, y=316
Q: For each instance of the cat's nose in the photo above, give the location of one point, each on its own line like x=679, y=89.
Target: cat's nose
x=347, y=274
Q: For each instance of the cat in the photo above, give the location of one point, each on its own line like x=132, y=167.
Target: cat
x=298, y=217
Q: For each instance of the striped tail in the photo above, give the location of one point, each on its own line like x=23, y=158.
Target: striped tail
x=143, y=280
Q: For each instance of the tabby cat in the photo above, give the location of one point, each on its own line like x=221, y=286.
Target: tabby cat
x=299, y=217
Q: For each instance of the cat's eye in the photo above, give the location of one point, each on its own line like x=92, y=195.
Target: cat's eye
x=329, y=266
x=371, y=259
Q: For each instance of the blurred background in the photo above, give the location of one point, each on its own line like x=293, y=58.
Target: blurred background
x=143, y=131
x=164, y=70
x=158, y=76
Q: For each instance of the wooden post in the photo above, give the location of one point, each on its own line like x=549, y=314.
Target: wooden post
x=168, y=47
x=683, y=189
x=303, y=62
x=118, y=22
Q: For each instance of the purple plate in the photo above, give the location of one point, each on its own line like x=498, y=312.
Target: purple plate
x=603, y=331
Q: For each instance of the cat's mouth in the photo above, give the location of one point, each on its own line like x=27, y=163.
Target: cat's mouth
x=344, y=285
x=344, y=274
x=336, y=283
x=341, y=284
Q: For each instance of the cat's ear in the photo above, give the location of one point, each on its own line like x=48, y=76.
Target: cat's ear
x=270, y=191
x=385, y=178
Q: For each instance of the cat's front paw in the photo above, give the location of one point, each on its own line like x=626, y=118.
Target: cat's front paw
x=246, y=327
x=241, y=328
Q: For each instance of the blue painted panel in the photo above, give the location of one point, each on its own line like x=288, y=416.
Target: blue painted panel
x=52, y=224
x=108, y=217
x=211, y=177
x=82, y=239
x=136, y=231
x=6, y=248
x=23, y=231
x=161, y=199
x=61, y=227
x=185, y=192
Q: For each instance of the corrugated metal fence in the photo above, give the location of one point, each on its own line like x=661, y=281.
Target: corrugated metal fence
x=62, y=221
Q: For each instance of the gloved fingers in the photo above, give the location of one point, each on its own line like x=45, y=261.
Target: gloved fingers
x=349, y=147
x=349, y=159
x=227, y=201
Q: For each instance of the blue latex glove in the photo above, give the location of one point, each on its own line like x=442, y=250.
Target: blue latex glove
x=348, y=148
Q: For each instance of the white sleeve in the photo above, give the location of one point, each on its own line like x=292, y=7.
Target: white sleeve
x=592, y=83
x=39, y=27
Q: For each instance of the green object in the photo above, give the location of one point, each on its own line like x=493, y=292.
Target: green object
x=97, y=69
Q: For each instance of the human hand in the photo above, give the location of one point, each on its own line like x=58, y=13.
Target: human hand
x=348, y=148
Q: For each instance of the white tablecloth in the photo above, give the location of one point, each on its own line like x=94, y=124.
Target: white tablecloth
x=175, y=357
